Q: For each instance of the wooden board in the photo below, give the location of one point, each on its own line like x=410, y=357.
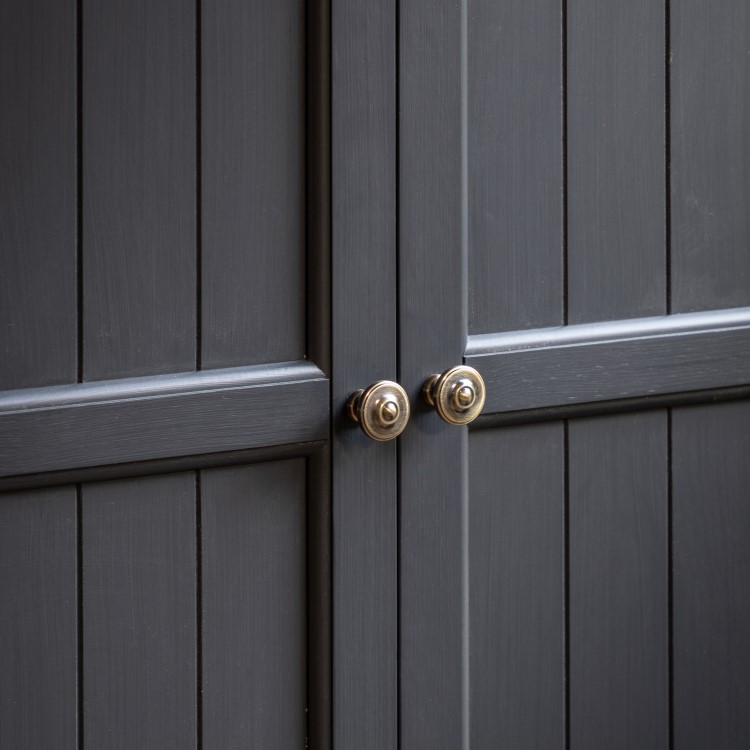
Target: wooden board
x=710, y=145
x=38, y=326
x=514, y=132
x=365, y=339
x=252, y=181
x=254, y=606
x=616, y=160
x=711, y=570
x=516, y=588
x=38, y=619
x=139, y=613
x=138, y=151
x=433, y=460
x=618, y=597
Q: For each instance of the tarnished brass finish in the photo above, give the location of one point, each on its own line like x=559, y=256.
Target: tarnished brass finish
x=457, y=395
x=381, y=410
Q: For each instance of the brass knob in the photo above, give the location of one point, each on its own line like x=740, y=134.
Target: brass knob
x=457, y=394
x=381, y=410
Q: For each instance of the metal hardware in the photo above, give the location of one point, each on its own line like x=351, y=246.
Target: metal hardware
x=381, y=410
x=457, y=395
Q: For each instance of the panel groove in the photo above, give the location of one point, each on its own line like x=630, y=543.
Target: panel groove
x=80, y=695
x=198, y=191
x=566, y=575
x=670, y=575
x=79, y=190
x=668, y=154
x=565, y=222
x=198, y=615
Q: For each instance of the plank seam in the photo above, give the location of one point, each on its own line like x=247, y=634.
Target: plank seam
x=198, y=613
x=566, y=577
x=198, y=193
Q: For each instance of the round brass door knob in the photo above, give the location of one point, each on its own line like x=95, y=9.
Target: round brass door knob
x=381, y=410
x=457, y=394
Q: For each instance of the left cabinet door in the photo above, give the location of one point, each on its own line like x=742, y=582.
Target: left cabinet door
x=164, y=404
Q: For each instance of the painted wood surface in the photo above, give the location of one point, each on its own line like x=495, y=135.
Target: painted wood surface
x=252, y=182
x=517, y=578
x=38, y=326
x=364, y=329
x=616, y=264
x=38, y=619
x=710, y=144
x=624, y=359
x=138, y=605
x=514, y=144
x=138, y=190
x=433, y=688
x=253, y=606
x=711, y=568
x=161, y=417
x=618, y=547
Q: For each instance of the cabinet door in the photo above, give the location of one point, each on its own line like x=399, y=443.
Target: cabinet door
x=164, y=415
x=573, y=224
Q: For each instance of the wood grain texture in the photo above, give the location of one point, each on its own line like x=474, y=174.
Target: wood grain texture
x=364, y=336
x=38, y=631
x=711, y=569
x=710, y=102
x=618, y=582
x=515, y=141
x=516, y=575
x=139, y=613
x=604, y=361
x=252, y=182
x=138, y=188
x=433, y=688
x=616, y=160
x=140, y=419
x=37, y=193
x=254, y=606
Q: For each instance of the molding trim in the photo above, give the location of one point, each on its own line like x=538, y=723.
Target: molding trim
x=123, y=421
x=613, y=361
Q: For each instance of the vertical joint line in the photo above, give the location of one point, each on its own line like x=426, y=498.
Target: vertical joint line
x=79, y=607
x=397, y=125
x=670, y=589
x=564, y=32
x=464, y=174
x=79, y=190
x=566, y=574
x=668, y=152
x=198, y=192
x=464, y=281
x=198, y=613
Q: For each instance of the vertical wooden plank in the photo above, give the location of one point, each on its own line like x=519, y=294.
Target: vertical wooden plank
x=38, y=631
x=252, y=178
x=433, y=688
x=138, y=187
x=710, y=100
x=711, y=570
x=254, y=599
x=616, y=159
x=364, y=336
x=516, y=574
x=515, y=164
x=139, y=613
x=618, y=582
x=37, y=193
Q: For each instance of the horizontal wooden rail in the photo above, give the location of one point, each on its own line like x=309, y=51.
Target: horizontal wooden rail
x=612, y=361
x=122, y=421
